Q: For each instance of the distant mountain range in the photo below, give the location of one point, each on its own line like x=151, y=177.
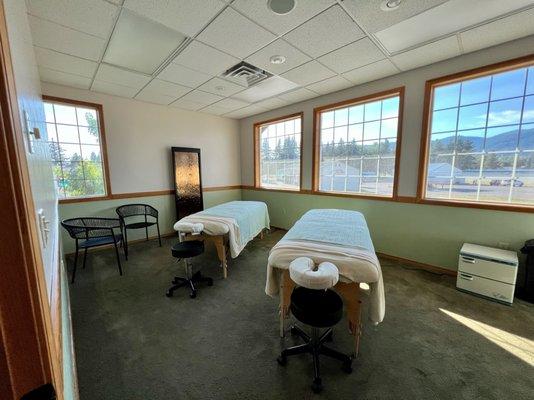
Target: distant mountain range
x=502, y=141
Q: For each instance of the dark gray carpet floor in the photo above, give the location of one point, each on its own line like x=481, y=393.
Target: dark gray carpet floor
x=435, y=343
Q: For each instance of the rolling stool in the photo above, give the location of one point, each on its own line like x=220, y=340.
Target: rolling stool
x=319, y=307
x=185, y=251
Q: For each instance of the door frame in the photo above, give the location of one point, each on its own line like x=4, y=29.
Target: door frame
x=28, y=356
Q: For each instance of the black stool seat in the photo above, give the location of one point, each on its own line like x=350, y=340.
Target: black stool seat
x=185, y=251
x=318, y=308
x=191, y=248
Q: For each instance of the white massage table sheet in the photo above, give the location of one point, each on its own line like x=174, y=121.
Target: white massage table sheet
x=355, y=264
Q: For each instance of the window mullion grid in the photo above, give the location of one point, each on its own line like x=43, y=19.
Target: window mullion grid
x=81, y=153
x=379, y=158
x=453, y=161
x=59, y=150
x=517, y=149
x=484, y=152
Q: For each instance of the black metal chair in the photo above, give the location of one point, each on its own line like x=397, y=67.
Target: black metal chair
x=94, y=232
x=133, y=210
x=318, y=309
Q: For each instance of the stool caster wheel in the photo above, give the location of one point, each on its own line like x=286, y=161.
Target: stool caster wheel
x=168, y=293
x=193, y=294
x=210, y=282
x=282, y=360
x=317, y=385
x=347, y=367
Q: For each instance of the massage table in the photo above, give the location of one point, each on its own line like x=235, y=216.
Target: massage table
x=229, y=226
x=342, y=238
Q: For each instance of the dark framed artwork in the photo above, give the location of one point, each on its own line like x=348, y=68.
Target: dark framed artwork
x=187, y=181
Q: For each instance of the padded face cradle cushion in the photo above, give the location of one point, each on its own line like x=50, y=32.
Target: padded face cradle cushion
x=190, y=248
x=301, y=271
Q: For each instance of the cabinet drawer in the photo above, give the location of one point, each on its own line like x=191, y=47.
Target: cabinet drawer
x=487, y=269
x=486, y=287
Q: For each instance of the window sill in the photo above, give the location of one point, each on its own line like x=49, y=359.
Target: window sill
x=275, y=189
x=483, y=206
x=84, y=199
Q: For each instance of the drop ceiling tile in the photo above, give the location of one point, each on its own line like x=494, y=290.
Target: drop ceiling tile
x=64, y=63
x=95, y=17
x=63, y=78
x=273, y=86
x=352, y=56
x=297, y=95
x=246, y=111
x=294, y=57
x=330, y=85
x=371, y=72
x=113, y=89
x=153, y=97
x=140, y=44
x=182, y=75
x=327, y=31
x=372, y=18
x=166, y=88
x=235, y=34
x=203, y=58
x=258, y=11
x=185, y=16
x=187, y=105
x=271, y=104
x=230, y=104
x=502, y=30
x=198, y=96
x=108, y=73
x=428, y=54
x=214, y=110
x=65, y=40
x=221, y=87
x=443, y=20
x=308, y=73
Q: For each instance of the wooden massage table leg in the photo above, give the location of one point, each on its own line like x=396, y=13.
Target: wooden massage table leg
x=220, y=243
x=351, y=297
x=286, y=288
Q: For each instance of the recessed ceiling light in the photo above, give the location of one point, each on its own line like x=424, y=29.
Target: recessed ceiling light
x=277, y=59
x=390, y=5
x=219, y=88
x=281, y=7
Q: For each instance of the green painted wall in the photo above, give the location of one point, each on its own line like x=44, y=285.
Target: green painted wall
x=424, y=233
x=164, y=204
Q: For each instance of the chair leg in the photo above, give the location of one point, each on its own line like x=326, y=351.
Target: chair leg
x=125, y=240
x=118, y=258
x=84, y=257
x=75, y=263
x=146, y=231
x=159, y=236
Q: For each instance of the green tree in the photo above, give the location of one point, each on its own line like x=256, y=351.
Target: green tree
x=92, y=123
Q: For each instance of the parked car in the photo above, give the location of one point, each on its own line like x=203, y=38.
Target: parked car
x=506, y=182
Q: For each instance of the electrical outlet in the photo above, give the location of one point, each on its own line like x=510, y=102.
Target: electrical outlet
x=504, y=245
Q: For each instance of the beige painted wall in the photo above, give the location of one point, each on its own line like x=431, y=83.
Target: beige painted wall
x=414, y=82
x=139, y=136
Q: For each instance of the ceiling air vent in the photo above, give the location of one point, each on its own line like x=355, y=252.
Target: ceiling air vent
x=247, y=74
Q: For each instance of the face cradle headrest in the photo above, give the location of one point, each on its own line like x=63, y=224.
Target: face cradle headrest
x=303, y=272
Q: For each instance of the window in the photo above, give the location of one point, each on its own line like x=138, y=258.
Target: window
x=356, y=145
x=77, y=149
x=480, y=138
x=278, y=153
